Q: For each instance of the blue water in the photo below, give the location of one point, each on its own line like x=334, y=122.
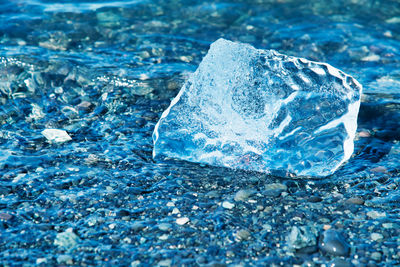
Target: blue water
x=105, y=70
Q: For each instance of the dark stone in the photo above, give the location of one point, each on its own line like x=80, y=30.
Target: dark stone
x=315, y=199
x=123, y=213
x=333, y=242
x=307, y=250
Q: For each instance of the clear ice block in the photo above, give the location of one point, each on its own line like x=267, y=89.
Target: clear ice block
x=252, y=109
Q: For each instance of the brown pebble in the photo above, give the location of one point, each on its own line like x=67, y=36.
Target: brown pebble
x=364, y=134
x=355, y=201
x=5, y=216
x=327, y=227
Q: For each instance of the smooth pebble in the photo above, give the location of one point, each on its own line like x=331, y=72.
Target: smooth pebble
x=333, y=242
x=182, y=221
x=228, y=205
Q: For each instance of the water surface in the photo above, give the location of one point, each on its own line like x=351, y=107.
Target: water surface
x=105, y=70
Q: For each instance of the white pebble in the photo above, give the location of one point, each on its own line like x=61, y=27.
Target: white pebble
x=41, y=260
x=65, y=259
x=228, y=205
x=127, y=240
x=372, y=57
x=175, y=211
x=21, y=42
x=393, y=20
x=376, y=256
x=165, y=263
x=163, y=237
x=388, y=225
x=56, y=135
x=182, y=221
x=376, y=214
x=388, y=34
x=376, y=236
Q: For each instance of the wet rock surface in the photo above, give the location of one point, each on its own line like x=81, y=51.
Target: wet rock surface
x=303, y=238
x=105, y=79
x=333, y=242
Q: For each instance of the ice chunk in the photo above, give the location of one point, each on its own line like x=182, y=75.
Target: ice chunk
x=252, y=109
x=56, y=135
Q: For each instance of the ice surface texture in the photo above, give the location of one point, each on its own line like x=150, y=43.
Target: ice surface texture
x=252, y=109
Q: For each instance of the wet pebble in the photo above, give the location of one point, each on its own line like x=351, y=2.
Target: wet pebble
x=243, y=234
x=164, y=226
x=85, y=106
x=373, y=214
x=388, y=225
x=213, y=194
x=163, y=237
x=201, y=260
x=41, y=261
x=228, y=205
x=376, y=256
x=135, y=263
x=379, y=169
x=138, y=226
x=333, y=242
x=67, y=239
x=355, y=201
x=364, y=134
x=301, y=237
x=274, y=189
x=182, y=221
x=122, y=213
x=371, y=57
x=243, y=194
x=165, y=263
x=314, y=199
x=64, y=259
x=5, y=216
x=376, y=236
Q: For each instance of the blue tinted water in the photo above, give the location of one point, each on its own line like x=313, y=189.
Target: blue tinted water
x=105, y=70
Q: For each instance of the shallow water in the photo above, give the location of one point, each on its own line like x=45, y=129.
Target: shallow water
x=105, y=70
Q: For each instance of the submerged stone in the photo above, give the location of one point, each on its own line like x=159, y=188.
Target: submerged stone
x=332, y=242
x=67, y=239
x=302, y=237
x=252, y=109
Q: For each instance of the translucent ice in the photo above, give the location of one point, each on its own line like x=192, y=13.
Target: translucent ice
x=252, y=109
